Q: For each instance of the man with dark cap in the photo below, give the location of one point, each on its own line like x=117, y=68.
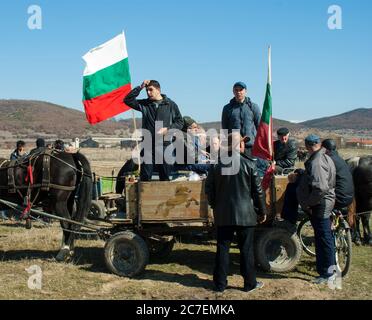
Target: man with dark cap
x=235, y=199
x=344, y=180
x=285, y=151
x=242, y=114
x=316, y=195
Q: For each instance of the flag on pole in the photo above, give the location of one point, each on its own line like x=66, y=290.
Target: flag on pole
x=106, y=80
x=263, y=144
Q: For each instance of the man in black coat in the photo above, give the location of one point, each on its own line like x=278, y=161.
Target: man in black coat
x=344, y=180
x=157, y=107
x=233, y=198
x=285, y=151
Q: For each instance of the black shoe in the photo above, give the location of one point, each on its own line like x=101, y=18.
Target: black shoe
x=219, y=289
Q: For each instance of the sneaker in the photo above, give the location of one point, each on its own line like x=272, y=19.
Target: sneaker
x=321, y=280
x=259, y=285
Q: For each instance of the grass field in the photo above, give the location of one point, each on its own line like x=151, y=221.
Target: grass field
x=185, y=274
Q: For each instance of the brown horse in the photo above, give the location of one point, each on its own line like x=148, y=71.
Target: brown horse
x=59, y=182
x=362, y=176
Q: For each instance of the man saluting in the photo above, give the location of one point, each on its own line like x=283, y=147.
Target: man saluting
x=157, y=107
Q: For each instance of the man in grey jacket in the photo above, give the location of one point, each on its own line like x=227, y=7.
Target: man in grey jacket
x=242, y=114
x=316, y=195
x=233, y=198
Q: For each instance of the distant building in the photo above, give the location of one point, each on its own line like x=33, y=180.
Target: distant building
x=89, y=143
x=358, y=143
x=129, y=143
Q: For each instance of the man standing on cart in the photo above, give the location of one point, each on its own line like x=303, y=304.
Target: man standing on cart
x=156, y=108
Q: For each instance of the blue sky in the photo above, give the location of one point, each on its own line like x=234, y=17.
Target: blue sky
x=197, y=50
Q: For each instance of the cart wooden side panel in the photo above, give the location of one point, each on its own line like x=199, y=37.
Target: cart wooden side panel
x=168, y=201
x=275, y=196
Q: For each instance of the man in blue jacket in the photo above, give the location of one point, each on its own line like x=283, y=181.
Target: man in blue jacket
x=241, y=113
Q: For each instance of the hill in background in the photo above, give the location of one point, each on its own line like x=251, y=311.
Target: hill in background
x=31, y=119
x=358, y=119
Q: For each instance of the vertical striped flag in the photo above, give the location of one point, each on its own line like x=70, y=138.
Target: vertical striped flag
x=263, y=144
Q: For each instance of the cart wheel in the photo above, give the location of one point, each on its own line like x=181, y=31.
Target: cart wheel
x=160, y=249
x=97, y=210
x=126, y=254
x=278, y=250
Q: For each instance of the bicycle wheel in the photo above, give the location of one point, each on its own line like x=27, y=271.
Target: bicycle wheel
x=343, y=245
x=305, y=232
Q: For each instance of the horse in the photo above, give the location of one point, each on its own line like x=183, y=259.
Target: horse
x=361, y=168
x=59, y=182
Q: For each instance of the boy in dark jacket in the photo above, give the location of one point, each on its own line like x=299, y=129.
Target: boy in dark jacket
x=157, y=107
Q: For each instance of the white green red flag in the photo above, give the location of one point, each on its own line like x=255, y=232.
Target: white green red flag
x=263, y=144
x=106, y=80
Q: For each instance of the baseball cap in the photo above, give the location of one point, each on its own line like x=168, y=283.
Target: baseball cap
x=240, y=84
x=312, y=139
x=282, y=131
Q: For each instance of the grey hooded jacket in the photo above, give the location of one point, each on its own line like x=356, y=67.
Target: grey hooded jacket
x=316, y=189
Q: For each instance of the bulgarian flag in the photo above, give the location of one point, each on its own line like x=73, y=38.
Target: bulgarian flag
x=106, y=80
x=263, y=144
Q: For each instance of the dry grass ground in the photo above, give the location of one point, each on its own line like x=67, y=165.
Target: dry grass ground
x=185, y=274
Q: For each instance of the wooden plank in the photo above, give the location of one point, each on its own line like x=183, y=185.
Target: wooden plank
x=173, y=200
x=280, y=187
x=131, y=199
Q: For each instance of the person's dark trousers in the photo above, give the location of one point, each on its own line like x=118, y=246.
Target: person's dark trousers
x=324, y=245
x=163, y=169
x=290, y=205
x=225, y=236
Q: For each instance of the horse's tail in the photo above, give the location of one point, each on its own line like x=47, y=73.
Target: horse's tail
x=85, y=187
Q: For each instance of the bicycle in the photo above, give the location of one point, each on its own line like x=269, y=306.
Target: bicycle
x=342, y=236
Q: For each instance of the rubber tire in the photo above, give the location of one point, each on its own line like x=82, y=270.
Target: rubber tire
x=348, y=261
x=99, y=210
x=159, y=249
x=285, y=237
x=137, y=247
x=299, y=228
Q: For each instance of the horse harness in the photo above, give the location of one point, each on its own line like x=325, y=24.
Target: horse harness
x=29, y=162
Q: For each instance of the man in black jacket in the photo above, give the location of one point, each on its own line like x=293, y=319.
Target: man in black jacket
x=233, y=198
x=156, y=108
x=285, y=151
x=344, y=180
